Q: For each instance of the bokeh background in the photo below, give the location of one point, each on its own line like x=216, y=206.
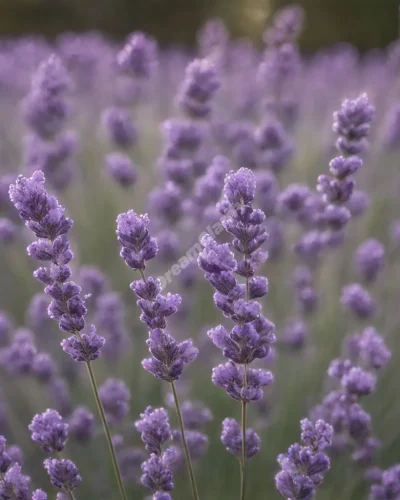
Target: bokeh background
x=94, y=203
x=365, y=23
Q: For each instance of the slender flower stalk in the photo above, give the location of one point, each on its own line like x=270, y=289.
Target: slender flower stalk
x=253, y=334
x=168, y=357
x=45, y=218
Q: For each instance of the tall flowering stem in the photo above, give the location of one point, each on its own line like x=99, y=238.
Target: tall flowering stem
x=184, y=442
x=168, y=357
x=253, y=334
x=45, y=218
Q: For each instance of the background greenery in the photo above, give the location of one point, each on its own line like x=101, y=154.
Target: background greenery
x=365, y=23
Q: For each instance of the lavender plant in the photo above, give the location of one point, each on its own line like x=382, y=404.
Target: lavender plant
x=224, y=147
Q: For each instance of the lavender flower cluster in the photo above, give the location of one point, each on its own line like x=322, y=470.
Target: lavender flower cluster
x=212, y=166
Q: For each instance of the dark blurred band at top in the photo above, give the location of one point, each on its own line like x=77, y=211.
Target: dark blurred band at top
x=364, y=23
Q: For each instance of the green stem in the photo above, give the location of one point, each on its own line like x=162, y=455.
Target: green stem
x=106, y=431
x=71, y=496
x=243, y=461
x=184, y=443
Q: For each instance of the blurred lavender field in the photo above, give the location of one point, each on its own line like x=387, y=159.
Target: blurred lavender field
x=156, y=131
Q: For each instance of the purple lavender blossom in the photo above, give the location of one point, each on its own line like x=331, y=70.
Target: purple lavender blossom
x=15, y=484
x=45, y=108
x=45, y=218
x=120, y=168
x=63, y=473
x=231, y=438
x=388, y=485
x=198, y=88
x=39, y=495
x=8, y=231
x=154, y=428
x=304, y=467
x=156, y=475
x=115, y=396
x=357, y=300
x=19, y=357
x=138, y=58
x=369, y=259
x=169, y=357
x=49, y=431
x=118, y=125
x=137, y=245
x=352, y=124
x=81, y=425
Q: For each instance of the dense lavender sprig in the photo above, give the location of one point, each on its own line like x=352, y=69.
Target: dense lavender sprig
x=63, y=473
x=49, y=431
x=45, y=218
x=304, y=467
x=168, y=356
x=342, y=408
x=155, y=432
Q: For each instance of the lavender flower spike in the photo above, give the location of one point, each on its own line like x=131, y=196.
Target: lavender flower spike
x=63, y=474
x=45, y=218
x=304, y=467
x=154, y=428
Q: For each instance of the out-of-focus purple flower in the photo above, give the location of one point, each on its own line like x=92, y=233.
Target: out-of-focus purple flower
x=154, y=428
x=45, y=109
x=352, y=124
x=292, y=199
x=18, y=358
x=37, y=315
x=198, y=88
x=195, y=415
x=63, y=473
x=15, y=484
x=110, y=314
x=118, y=125
x=8, y=231
x=93, y=281
x=39, y=495
x=138, y=57
x=60, y=394
x=287, y=25
x=130, y=460
x=391, y=128
x=388, y=486
x=355, y=298
x=213, y=37
x=274, y=145
x=49, y=431
x=295, y=334
x=369, y=259
x=267, y=192
x=120, y=168
x=115, y=396
x=43, y=367
x=358, y=203
x=81, y=425
x=231, y=438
